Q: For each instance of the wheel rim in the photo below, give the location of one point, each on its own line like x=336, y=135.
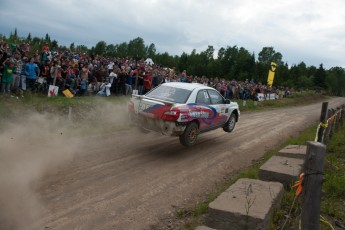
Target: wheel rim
x=192, y=135
x=232, y=122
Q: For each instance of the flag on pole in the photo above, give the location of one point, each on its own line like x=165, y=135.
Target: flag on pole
x=271, y=72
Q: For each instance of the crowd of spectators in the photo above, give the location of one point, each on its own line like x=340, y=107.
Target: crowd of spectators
x=84, y=74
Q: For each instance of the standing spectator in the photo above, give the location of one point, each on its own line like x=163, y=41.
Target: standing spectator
x=129, y=83
x=112, y=76
x=84, y=79
x=183, y=77
x=71, y=79
x=223, y=88
x=147, y=82
x=110, y=66
x=101, y=74
x=46, y=70
x=157, y=78
x=32, y=71
x=140, y=82
x=7, y=75
x=45, y=48
x=27, y=48
x=17, y=74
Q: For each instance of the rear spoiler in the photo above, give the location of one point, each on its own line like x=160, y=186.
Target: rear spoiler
x=168, y=103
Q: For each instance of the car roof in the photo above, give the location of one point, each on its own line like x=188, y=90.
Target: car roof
x=188, y=86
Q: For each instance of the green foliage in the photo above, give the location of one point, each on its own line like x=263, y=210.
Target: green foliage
x=136, y=48
x=100, y=48
x=231, y=62
x=320, y=77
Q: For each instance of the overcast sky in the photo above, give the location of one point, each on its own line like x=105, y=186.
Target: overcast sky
x=312, y=31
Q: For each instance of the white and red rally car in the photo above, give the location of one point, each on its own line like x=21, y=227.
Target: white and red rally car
x=184, y=110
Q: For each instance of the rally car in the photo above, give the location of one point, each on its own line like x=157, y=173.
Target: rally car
x=183, y=110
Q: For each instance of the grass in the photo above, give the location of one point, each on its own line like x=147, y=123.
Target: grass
x=333, y=200
x=292, y=100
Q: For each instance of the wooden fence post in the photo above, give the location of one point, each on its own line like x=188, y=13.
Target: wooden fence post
x=323, y=120
x=312, y=189
x=326, y=133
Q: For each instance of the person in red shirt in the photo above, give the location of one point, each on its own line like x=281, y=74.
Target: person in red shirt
x=45, y=48
x=148, y=81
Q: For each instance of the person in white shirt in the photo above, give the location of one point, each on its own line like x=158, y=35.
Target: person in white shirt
x=110, y=66
x=112, y=76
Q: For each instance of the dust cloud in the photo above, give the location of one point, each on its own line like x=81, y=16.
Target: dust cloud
x=33, y=145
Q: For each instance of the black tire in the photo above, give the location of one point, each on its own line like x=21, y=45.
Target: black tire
x=190, y=135
x=230, y=124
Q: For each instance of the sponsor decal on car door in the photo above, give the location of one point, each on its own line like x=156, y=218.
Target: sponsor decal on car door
x=218, y=103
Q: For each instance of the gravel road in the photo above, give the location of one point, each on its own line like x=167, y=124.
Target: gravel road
x=127, y=180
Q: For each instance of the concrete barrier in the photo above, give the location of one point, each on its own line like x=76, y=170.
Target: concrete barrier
x=294, y=151
x=247, y=204
x=281, y=169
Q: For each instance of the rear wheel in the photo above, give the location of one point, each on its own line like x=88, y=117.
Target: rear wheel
x=230, y=124
x=190, y=135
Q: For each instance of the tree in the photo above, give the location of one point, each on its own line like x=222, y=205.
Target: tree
x=166, y=60
x=122, y=50
x=183, y=62
x=136, y=48
x=151, y=51
x=72, y=47
x=28, y=38
x=268, y=54
x=81, y=49
x=15, y=35
x=100, y=48
x=111, y=50
x=221, y=53
x=208, y=53
x=54, y=45
x=336, y=81
x=47, y=39
x=320, y=77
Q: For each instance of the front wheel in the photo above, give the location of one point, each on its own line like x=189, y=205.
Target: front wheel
x=230, y=124
x=190, y=135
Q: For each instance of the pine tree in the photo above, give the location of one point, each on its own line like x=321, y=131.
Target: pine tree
x=320, y=77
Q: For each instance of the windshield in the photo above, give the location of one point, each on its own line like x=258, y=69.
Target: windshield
x=168, y=93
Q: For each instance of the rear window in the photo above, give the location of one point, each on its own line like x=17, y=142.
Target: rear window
x=168, y=93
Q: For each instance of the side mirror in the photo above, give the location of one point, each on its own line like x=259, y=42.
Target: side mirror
x=227, y=101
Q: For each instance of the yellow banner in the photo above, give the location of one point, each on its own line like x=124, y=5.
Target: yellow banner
x=67, y=93
x=271, y=72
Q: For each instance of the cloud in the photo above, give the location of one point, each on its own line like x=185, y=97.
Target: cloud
x=308, y=31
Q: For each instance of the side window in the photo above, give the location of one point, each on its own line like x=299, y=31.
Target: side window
x=216, y=98
x=202, y=97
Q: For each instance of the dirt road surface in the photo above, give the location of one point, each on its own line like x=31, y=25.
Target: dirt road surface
x=128, y=180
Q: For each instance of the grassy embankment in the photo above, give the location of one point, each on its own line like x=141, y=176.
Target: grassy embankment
x=333, y=200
